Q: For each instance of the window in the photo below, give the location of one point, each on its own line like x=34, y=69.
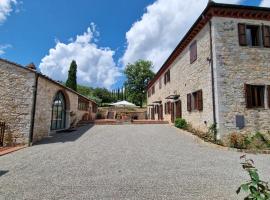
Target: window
x=254, y=96
x=94, y=108
x=195, y=101
x=193, y=52
x=149, y=93
x=153, y=89
x=254, y=35
x=167, y=77
x=58, y=112
x=83, y=105
x=160, y=83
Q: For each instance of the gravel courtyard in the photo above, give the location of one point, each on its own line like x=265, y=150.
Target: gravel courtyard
x=124, y=162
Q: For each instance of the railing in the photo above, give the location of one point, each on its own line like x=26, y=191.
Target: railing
x=2, y=132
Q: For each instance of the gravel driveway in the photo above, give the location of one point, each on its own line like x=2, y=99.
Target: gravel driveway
x=124, y=162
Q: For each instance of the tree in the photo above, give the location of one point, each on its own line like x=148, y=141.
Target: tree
x=103, y=94
x=138, y=76
x=72, y=76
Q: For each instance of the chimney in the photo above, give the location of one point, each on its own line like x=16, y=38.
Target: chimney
x=31, y=66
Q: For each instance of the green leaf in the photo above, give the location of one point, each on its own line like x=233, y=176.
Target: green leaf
x=245, y=187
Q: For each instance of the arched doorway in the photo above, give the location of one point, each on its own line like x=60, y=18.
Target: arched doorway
x=58, y=112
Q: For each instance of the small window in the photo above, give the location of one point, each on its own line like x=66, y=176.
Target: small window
x=195, y=101
x=253, y=35
x=149, y=93
x=160, y=83
x=250, y=35
x=83, y=104
x=193, y=52
x=167, y=77
x=153, y=89
x=94, y=108
x=254, y=96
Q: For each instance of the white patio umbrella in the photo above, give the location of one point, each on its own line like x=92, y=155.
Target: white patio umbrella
x=123, y=104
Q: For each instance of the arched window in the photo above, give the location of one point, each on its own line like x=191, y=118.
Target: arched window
x=59, y=112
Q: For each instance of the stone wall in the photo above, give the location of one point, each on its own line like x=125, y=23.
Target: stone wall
x=187, y=78
x=234, y=66
x=45, y=96
x=16, y=98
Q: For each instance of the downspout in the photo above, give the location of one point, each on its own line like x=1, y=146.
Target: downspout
x=213, y=82
x=33, y=113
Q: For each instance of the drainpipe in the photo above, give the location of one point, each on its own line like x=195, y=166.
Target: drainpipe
x=213, y=81
x=33, y=113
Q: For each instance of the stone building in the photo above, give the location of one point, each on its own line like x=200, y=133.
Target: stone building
x=219, y=73
x=34, y=106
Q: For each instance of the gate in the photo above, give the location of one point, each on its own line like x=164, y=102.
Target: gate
x=2, y=132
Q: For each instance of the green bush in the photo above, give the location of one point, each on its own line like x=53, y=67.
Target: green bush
x=180, y=123
x=99, y=115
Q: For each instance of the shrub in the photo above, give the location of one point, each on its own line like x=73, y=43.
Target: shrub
x=99, y=115
x=257, y=141
x=256, y=188
x=212, y=131
x=237, y=140
x=180, y=123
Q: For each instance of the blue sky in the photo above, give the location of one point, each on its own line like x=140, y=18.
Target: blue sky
x=103, y=35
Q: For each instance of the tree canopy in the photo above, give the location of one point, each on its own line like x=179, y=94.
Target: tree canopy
x=103, y=94
x=72, y=76
x=138, y=76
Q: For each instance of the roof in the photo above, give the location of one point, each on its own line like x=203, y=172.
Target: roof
x=48, y=78
x=211, y=10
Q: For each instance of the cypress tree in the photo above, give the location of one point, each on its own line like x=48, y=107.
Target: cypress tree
x=72, y=76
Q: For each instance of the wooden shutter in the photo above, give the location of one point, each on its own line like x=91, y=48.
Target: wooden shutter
x=248, y=95
x=193, y=52
x=200, y=100
x=266, y=36
x=268, y=95
x=242, y=35
x=189, y=102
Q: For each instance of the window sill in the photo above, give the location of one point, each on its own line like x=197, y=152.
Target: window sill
x=254, y=47
x=257, y=108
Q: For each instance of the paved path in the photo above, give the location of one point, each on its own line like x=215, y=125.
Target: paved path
x=123, y=162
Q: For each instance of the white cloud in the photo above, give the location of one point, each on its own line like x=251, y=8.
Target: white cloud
x=265, y=3
x=6, y=9
x=161, y=28
x=3, y=48
x=96, y=66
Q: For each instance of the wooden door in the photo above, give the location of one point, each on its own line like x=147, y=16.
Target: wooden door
x=161, y=112
x=172, y=112
x=178, y=109
x=152, y=113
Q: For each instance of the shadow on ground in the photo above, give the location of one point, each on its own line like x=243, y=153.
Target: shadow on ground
x=69, y=135
x=2, y=172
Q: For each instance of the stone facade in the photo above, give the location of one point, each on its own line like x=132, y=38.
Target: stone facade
x=16, y=94
x=186, y=78
x=233, y=67
x=17, y=100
